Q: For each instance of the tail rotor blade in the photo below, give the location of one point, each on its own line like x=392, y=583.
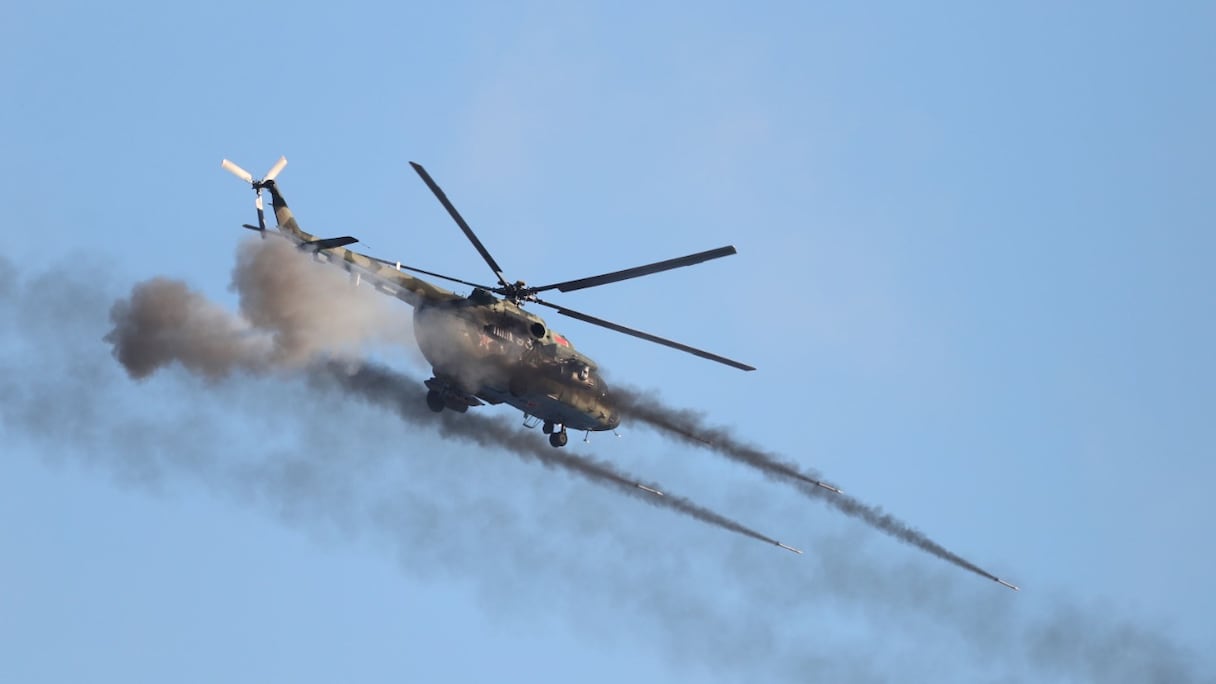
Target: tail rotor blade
x=274, y=170
x=261, y=214
x=257, y=187
x=238, y=171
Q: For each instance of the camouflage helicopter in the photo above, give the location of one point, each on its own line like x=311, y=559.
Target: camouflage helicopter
x=486, y=348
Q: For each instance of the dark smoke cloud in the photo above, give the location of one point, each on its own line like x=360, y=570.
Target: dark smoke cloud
x=692, y=428
x=164, y=321
x=720, y=610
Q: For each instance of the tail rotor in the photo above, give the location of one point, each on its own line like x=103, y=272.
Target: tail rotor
x=257, y=184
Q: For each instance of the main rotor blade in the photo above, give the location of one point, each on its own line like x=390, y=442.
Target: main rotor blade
x=468, y=232
x=398, y=264
x=274, y=170
x=638, y=271
x=645, y=336
x=237, y=171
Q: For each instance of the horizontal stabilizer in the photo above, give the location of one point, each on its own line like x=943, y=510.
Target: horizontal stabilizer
x=328, y=243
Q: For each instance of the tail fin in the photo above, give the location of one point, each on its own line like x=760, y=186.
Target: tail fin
x=283, y=218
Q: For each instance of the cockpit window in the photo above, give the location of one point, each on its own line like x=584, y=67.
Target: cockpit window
x=577, y=370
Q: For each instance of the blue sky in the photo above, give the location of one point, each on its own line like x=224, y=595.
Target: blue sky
x=974, y=272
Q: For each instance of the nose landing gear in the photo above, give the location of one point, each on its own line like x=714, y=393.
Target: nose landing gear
x=556, y=432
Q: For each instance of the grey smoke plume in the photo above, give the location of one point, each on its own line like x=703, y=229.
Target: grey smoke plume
x=164, y=321
x=288, y=324
x=383, y=386
x=691, y=427
x=293, y=311
x=311, y=308
x=717, y=611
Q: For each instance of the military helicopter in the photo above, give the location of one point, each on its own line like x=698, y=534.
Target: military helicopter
x=486, y=348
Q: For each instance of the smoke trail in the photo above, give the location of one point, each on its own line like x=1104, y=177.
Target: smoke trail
x=380, y=385
x=714, y=613
x=165, y=322
x=690, y=426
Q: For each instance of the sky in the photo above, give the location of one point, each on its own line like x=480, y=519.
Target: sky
x=973, y=272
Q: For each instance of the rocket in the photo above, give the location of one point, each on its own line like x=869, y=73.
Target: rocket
x=811, y=480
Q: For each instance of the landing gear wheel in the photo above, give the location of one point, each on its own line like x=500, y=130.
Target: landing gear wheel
x=434, y=401
x=558, y=439
x=547, y=428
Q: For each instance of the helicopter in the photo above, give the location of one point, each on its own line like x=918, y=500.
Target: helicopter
x=485, y=347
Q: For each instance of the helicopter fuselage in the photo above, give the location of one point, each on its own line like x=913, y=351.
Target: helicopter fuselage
x=494, y=350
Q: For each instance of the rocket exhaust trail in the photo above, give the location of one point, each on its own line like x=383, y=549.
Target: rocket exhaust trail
x=382, y=386
x=690, y=426
x=895, y=527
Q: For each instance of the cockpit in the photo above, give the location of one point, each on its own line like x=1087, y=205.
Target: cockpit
x=581, y=372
